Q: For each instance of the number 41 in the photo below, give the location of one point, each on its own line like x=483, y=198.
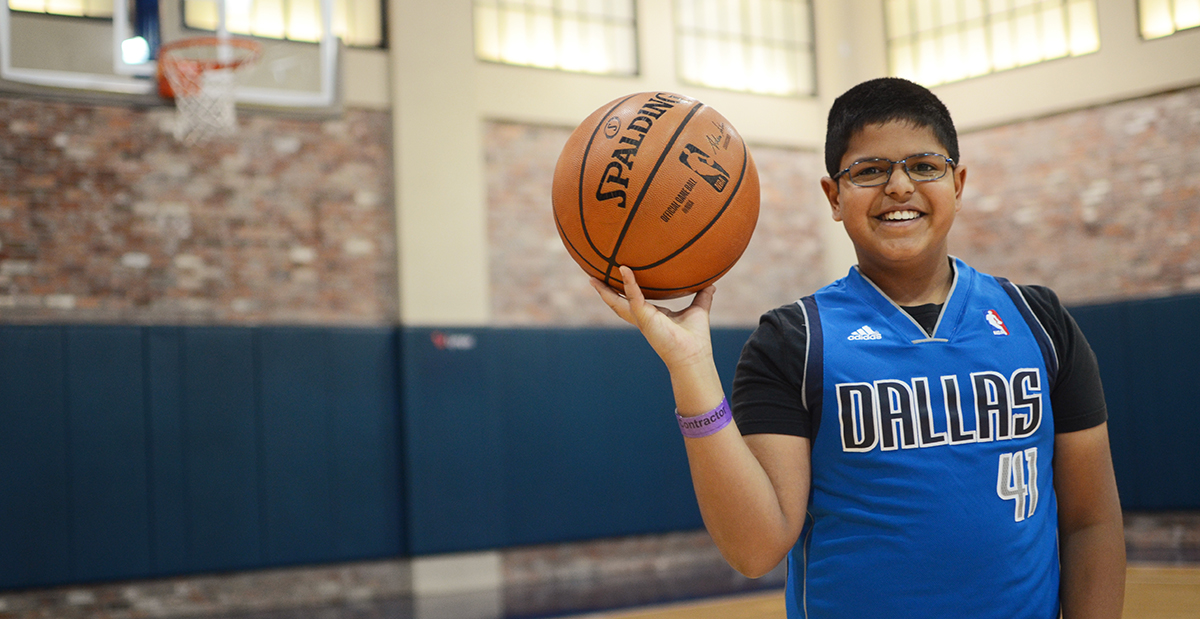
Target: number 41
x=1013, y=485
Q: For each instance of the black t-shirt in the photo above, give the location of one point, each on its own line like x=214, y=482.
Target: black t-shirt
x=766, y=395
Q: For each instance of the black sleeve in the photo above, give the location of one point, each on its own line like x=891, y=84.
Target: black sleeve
x=768, y=383
x=1077, y=395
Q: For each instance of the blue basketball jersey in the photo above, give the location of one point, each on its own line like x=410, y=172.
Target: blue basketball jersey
x=932, y=492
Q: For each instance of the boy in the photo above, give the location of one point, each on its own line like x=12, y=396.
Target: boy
x=918, y=438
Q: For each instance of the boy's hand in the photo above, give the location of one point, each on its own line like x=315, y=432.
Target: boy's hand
x=680, y=338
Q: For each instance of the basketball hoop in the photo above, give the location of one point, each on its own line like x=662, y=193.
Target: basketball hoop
x=198, y=74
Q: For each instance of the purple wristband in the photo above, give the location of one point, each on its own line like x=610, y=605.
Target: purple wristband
x=706, y=424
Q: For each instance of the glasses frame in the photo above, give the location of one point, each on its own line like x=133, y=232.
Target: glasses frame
x=892, y=168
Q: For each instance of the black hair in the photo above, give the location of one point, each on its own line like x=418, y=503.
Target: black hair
x=883, y=100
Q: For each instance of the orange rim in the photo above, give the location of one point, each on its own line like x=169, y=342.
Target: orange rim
x=170, y=62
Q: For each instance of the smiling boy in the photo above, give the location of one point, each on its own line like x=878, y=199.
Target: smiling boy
x=919, y=439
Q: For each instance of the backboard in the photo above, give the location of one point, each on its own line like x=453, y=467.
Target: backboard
x=104, y=56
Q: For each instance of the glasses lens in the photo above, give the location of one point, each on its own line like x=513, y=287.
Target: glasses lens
x=870, y=172
x=926, y=167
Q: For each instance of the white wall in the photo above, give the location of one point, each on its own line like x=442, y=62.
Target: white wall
x=441, y=96
x=441, y=220
x=1125, y=67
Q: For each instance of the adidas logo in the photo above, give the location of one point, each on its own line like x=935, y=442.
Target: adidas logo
x=865, y=333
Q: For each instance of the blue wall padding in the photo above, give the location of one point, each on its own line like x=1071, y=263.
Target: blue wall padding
x=132, y=451
x=1149, y=355
x=222, y=449
x=166, y=453
x=525, y=436
x=106, y=451
x=35, y=472
x=296, y=432
x=364, y=456
x=129, y=452
x=326, y=490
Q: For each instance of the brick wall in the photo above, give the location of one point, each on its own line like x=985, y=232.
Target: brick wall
x=104, y=217
x=535, y=281
x=1099, y=204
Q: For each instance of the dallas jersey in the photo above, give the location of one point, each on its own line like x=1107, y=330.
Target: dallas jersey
x=932, y=490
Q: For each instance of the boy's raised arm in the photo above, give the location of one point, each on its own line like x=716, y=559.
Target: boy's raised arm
x=752, y=491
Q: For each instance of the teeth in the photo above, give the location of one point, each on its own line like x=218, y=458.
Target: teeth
x=901, y=215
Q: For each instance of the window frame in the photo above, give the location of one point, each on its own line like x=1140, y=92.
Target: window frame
x=1175, y=29
x=986, y=19
x=124, y=79
x=635, y=69
x=383, y=30
x=807, y=48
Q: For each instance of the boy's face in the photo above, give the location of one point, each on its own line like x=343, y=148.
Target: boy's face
x=900, y=222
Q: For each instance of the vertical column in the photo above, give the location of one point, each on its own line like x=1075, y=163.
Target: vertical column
x=441, y=217
x=851, y=48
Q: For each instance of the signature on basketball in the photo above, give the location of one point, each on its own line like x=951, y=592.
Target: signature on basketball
x=719, y=140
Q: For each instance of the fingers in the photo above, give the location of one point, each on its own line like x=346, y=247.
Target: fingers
x=641, y=311
x=633, y=292
x=630, y=306
x=704, y=298
x=615, y=302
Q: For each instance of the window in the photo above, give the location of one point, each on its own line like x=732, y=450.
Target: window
x=358, y=23
x=1160, y=18
x=762, y=46
x=938, y=41
x=134, y=51
x=77, y=8
x=24, y=37
x=586, y=36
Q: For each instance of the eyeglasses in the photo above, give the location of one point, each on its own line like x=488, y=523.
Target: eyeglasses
x=920, y=168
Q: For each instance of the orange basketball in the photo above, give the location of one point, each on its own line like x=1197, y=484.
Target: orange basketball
x=660, y=183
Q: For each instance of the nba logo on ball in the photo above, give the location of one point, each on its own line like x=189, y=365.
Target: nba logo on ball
x=660, y=183
x=709, y=170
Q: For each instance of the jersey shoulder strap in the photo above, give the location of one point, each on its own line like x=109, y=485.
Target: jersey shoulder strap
x=1035, y=325
x=814, y=362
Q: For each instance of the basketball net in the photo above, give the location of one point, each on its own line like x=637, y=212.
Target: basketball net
x=199, y=74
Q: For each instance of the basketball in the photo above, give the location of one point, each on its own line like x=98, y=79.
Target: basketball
x=660, y=183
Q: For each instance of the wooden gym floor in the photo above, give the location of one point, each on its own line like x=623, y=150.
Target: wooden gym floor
x=1151, y=592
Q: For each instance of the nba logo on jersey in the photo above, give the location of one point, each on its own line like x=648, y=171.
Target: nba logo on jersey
x=998, y=327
